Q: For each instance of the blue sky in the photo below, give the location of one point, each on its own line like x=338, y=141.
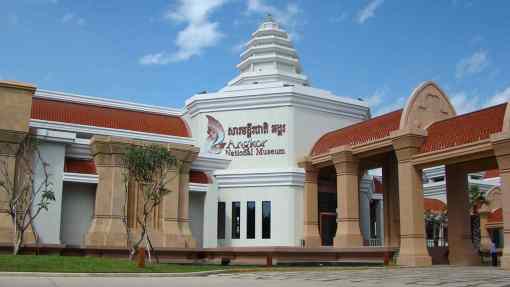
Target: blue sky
x=162, y=52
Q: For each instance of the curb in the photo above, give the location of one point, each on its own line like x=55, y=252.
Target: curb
x=50, y=274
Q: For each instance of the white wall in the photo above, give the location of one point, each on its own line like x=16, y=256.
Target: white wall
x=210, y=230
x=77, y=211
x=283, y=215
x=307, y=114
x=196, y=212
x=239, y=118
x=365, y=195
x=310, y=125
x=47, y=224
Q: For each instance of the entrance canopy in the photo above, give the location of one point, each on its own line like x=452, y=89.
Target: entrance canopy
x=425, y=133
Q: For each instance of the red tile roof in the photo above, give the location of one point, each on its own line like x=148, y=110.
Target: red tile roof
x=432, y=204
x=198, y=177
x=107, y=117
x=495, y=216
x=79, y=166
x=378, y=186
x=491, y=173
x=464, y=129
x=363, y=132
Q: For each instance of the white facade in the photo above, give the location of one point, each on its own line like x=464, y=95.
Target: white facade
x=264, y=121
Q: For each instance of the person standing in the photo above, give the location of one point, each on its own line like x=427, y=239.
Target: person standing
x=494, y=254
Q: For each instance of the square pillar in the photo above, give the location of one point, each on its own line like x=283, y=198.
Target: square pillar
x=391, y=204
x=485, y=238
x=16, y=103
x=348, y=233
x=461, y=249
x=9, y=144
x=172, y=236
x=107, y=228
x=176, y=231
x=183, y=214
x=311, y=234
x=413, y=248
x=501, y=146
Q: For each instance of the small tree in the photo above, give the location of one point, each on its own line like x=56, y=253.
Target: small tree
x=25, y=197
x=148, y=170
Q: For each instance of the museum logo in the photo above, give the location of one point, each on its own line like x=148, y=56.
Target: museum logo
x=241, y=138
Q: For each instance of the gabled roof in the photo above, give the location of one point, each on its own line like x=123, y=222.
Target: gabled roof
x=108, y=117
x=464, y=129
x=363, y=132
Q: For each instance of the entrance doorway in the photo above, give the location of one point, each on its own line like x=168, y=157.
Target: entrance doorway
x=327, y=227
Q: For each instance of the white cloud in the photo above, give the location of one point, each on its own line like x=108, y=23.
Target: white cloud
x=473, y=64
x=67, y=17
x=288, y=16
x=391, y=106
x=12, y=19
x=464, y=103
x=72, y=18
x=237, y=48
x=500, y=97
x=200, y=33
x=160, y=58
x=368, y=11
x=380, y=102
x=376, y=99
x=339, y=18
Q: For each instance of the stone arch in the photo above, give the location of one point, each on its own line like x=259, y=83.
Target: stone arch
x=506, y=119
x=428, y=103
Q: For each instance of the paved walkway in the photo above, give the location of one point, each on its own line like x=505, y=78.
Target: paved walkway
x=435, y=276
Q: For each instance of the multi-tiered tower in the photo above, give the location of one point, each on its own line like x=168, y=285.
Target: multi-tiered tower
x=269, y=57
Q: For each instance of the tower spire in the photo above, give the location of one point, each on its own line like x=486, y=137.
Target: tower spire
x=269, y=56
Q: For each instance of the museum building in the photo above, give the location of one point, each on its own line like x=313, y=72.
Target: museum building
x=267, y=161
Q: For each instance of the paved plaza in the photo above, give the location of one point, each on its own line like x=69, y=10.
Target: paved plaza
x=434, y=276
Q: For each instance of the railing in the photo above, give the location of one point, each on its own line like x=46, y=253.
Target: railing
x=437, y=242
x=373, y=242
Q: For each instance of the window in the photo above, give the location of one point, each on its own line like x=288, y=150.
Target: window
x=266, y=219
x=250, y=220
x=221, y=220
x=373, y=218
x=236, y=220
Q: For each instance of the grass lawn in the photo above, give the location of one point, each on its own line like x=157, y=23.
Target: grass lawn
x=70, y=264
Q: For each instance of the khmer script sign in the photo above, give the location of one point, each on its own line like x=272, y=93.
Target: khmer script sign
x=245, y=140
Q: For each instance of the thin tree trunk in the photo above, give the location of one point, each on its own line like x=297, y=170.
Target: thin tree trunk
x=18, y=243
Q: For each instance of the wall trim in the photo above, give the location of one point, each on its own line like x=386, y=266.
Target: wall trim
x=80, y=177
x=198, y=187
x=210, y=162
x=258, y=178
x=276, y=95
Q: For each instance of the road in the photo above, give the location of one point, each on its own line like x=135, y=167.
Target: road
x=434, y=276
